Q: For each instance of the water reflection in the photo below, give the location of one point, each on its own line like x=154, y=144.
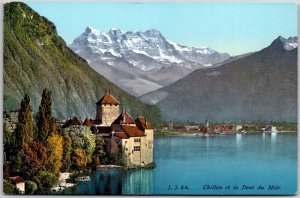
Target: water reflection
x=109, y=183
x=238, y=141
x=273, y=141
x=273, y=137
x=139, y=182
x=199, y=161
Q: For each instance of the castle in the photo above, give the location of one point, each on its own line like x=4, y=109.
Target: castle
x=122, y=133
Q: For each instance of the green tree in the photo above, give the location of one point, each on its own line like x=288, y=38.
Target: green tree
x=30, y=187
x=16, y=164
x=79, y=159
x=45, y=180
x=99, y=151
x=24, y=130
x=83, y=138
x=7, y=137
x=45, y=121
x=67, y=150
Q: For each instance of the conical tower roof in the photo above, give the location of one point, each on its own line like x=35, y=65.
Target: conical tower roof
x=124, y=118
x=108, y=99
x=87, y=122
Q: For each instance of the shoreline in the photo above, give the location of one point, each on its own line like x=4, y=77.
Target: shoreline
x=194, y=133
x=62, y=182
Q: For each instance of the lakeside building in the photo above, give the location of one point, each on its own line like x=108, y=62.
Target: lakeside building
x=120, y=131
x=19, y=182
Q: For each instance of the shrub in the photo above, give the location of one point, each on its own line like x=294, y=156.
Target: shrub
x=46, y=180
x=30, y=187
x=8, y=188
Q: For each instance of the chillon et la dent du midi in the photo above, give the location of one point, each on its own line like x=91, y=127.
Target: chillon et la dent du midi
x=121, y=133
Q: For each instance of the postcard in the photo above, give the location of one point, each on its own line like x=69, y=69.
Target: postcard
x=145, y=98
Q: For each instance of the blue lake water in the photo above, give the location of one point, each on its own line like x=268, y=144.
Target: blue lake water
x=194, y=165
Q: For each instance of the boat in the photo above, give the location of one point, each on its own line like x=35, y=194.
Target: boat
x=83, y=178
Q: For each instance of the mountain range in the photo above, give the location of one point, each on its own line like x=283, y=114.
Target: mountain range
x=258, y=86
x=35, y=57
x=140, y=62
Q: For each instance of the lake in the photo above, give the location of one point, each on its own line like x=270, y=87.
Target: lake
x=197, y=165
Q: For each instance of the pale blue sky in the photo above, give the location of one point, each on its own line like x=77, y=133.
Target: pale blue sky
x=235, y=28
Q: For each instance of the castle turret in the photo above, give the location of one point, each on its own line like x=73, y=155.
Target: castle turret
x=107, y=109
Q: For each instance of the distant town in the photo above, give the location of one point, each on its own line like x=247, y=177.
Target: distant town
x=206, y=128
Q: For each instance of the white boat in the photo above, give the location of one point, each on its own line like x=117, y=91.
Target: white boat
x=83, y=178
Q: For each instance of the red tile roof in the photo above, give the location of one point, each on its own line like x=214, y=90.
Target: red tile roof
x=108, y=99
x=87, y=122
x=124, y=118
x=132, y=131
x=72, y=122
x=126, y=131
x=121, y=135
x=17, y=179
x=142, y=123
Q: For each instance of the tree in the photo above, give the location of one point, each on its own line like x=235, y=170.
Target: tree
x=24, y=129
x=45, y=121
x=67, y=150
x=16, y=164
x=34, y=159
x=99, y=151
x=54, y=152
x=30, y=187
x=7, y=137
x=79, y=159
x=45, y=180
x=83, y=138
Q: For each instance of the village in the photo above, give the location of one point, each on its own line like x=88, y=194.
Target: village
x=223, y=128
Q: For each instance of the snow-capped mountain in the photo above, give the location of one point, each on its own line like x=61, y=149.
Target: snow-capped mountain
x=139, y=61
x=150, y=45
x=289, y=43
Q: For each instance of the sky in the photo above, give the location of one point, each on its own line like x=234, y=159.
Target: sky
x=235, y=28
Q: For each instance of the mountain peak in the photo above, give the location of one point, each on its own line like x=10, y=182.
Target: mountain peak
x=115, y=31
x=147, y=50
x=90, y=29
x=287, y=44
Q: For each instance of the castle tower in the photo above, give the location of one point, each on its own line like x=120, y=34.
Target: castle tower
x=107, y=109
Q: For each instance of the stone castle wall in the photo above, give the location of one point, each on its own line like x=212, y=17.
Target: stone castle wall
x=107, y=113
x=142, y=157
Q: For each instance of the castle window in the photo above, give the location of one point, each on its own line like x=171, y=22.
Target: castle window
x=137, y=140
x=137, y=148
